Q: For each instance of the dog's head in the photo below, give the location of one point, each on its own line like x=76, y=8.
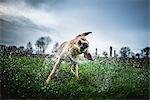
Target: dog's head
x=83, y=44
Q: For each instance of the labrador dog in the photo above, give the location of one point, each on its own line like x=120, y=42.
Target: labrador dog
x=71, y=50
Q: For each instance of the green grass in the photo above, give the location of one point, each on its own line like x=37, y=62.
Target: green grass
x=24, y=77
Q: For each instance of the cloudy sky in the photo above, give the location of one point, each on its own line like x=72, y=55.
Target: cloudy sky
x=113, y=22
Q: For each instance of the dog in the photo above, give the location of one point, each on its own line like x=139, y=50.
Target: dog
x=71, y=50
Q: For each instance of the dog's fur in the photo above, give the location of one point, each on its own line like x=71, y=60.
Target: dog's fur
x=71, y=50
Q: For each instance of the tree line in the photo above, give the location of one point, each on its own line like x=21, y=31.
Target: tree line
x=42, y=43
x=126, y=52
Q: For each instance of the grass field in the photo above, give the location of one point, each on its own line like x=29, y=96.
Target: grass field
x=24, y=77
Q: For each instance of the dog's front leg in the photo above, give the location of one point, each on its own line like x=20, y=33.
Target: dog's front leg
x=53, y=70
x=76, y=71
x=72, y=69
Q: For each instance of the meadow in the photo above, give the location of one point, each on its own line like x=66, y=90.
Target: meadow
x=23, y=77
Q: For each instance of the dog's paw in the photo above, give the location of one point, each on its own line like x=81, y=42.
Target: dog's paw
x=77, y=78
x=47, y=81
x=88, y=56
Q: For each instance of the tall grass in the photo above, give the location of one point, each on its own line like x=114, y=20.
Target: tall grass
x=24, y=77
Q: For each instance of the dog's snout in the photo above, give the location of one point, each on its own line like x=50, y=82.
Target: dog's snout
x=85, y=45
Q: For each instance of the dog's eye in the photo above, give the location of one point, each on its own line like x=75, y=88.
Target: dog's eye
x=79, y=43
x=83, y=39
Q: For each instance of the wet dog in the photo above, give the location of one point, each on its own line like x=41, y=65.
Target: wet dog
x=71, y=50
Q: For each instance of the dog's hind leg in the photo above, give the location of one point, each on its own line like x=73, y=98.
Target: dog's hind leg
x=57, y=70
x=56, y=66
x=76, y=72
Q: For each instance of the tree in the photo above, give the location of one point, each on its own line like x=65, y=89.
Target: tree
x=137, y=55
x=42, y=43
x=125, y=52
x=38, y=46
x=132, y=54
x=21, y=50
x=142, y=53
x=146, y=50
x=105, y=54
x=29, y=48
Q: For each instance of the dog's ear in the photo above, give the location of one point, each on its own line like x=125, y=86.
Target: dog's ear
x=84, y=34
x=88, y=56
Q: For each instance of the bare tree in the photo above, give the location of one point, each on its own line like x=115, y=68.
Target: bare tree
x=38, y=46
x=29, y=48
x=42, y=43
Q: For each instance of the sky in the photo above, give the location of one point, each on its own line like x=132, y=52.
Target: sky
x=115, y=23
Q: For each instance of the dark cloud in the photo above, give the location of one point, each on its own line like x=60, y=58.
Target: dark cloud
x=35, y=3
x=10, y=1
x=38, y=4
x=18, y=30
